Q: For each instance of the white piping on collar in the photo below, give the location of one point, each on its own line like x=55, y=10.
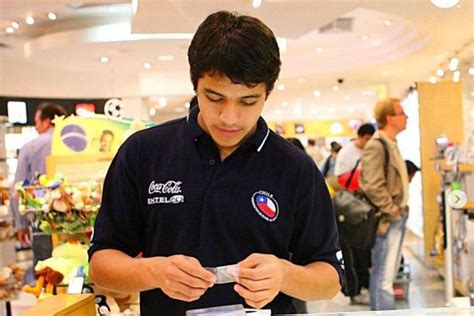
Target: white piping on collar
x=187, y=118
x=264, y=140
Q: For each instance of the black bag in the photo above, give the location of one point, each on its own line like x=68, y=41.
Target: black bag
x=357, y=217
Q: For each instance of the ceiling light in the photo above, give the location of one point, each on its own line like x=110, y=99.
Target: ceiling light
x=256, y=3
x=365, y=37
x=165, y=58
x=335, y=88
x=319, y=50
x=457, y=73
x=162, y=102
x=152, y=111
x=387, y=22
x=347, y=98
x=317, y=93
x=147, y=65
x=104, y=59
x=15, y=24
x=433, y=79
x=445, y=4
x=10, y=29
x=52, y=16
x=453, y=64
x=281, y=87
x=187, y=105
x=440, y=72
x=336, y=128
x=30, y=20
x=470, y=71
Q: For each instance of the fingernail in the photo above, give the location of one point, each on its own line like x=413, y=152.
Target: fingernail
x=236, y=288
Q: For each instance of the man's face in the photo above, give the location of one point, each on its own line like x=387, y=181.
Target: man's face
x=228, y=111
x=399, y=119
x=41, y=126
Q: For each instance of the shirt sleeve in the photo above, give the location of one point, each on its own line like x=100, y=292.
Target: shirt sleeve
x=119, y=224
x=315, y=236
x=23, y=171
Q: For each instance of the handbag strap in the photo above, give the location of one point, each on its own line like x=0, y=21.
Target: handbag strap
x=349, y=180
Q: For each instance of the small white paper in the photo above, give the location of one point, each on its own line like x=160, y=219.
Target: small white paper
x=75, y=285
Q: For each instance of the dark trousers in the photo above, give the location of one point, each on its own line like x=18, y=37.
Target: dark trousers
x=357, y=264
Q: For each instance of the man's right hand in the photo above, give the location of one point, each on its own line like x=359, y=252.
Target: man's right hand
x=182, y=278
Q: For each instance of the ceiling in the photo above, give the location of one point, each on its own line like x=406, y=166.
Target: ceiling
x=372, y=57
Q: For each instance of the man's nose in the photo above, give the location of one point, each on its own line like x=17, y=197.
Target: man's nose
x=229, y=113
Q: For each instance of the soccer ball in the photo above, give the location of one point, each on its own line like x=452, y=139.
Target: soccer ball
x=113, y=109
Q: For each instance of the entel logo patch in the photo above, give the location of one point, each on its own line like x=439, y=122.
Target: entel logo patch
x=265, y=205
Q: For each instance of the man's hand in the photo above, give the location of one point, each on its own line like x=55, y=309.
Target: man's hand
x=182, y=278
x=261, y=278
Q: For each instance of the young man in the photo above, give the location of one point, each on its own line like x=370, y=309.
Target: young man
x=218, y=188
x=386, y=184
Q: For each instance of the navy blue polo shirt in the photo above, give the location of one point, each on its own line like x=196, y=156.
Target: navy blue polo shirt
x=167, y=192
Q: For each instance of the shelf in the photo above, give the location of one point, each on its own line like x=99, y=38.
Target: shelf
x=461, y=167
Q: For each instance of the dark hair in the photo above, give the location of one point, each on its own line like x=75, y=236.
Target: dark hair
x=335, y=147
x=48, y=110
x=238, y=46
x=411, y=167
x=107, y=132
x=296, y=142
x=366, y=129
x=311, y=142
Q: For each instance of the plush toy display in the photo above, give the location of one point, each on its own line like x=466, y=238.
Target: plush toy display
x=11, y=279
x=66, y=261
x=57, y=206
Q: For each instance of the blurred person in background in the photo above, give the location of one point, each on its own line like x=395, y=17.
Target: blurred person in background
x=315, y=152
x=330, y=163
x=31, y=164
x=384, y=180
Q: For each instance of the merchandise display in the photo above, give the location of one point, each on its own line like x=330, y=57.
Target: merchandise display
x=11, y=280
x=55, y=206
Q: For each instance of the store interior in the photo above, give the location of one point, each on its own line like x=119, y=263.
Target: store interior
x=126, y=62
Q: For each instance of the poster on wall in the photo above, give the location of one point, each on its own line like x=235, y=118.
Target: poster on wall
x=92, y=135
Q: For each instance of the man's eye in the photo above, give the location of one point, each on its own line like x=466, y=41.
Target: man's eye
x=248, y=103
x=218, y=100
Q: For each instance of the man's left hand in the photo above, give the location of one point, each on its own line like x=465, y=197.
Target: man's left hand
x=261, y=278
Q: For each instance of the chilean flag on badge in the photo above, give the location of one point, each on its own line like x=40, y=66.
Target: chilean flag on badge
x=265, y=205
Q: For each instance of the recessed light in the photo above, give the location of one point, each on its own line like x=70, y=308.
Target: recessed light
x=30, y=20
x=470, y=71
x=365, y=37
x=387, y=23
x=152, y=111
x=147, y=65
x=9, y=30
x=319, y=50
x=281, y=87
x=445, y=4
x=335, y=88
x=165, y=57
x=453, y=64
x=104, y=59
x=187, y=105
x=440, y=72
x=317, y=93
x=256, y=3
x=15, y=24
x=162, y=102
x=52, y=16
x=457, y=73
x=433, y=79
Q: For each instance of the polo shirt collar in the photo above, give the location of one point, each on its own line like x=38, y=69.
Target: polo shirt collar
x=257, y=139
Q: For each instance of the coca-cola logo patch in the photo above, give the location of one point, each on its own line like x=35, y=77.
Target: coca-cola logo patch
x=168, y=190
x=265, y=205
